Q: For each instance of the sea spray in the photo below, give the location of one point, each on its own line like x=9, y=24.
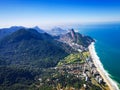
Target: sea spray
x=100, y=66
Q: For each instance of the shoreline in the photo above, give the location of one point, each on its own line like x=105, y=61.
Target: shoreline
x=111, y=84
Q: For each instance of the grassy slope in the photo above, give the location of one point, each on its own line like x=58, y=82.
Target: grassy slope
x=74, y=58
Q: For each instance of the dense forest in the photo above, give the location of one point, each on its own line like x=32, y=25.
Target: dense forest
x=27, y=55
x=30, y=48
x=23, y=56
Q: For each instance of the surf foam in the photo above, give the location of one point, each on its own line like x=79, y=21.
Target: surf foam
x=99, y=65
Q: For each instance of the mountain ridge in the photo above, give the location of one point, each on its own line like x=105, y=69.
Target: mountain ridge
x=28, y=56
x=26, y=45
x=75, y=37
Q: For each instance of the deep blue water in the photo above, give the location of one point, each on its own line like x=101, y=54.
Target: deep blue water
x=107, y=46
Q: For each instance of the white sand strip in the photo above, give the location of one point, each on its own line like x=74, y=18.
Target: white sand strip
x=111, y=83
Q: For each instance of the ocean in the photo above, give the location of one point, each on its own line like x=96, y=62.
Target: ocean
x=107, y=46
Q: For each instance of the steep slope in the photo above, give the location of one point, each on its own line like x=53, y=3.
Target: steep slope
x=38, y=29
x=28, y=47
x=26, y=55
x=74, y=37
x=7, y=31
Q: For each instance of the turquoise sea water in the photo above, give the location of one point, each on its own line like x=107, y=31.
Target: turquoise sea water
x=107, y=46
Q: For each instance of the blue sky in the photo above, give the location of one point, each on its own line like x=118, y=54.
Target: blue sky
x=53, y=12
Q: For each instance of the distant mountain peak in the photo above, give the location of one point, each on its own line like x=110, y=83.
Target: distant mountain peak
x=7, y=31
x=38, y=29
x=72, y=32
x=75, y=37
x=17, y=27
x=57, y=31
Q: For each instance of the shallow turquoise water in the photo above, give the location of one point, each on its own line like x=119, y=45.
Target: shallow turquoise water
x=107, y=46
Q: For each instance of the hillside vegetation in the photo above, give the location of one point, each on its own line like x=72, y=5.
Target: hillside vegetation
x=72, y=59
x=28, y=59
x=30, y=48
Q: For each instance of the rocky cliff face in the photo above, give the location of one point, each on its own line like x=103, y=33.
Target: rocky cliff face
x=73, y=35
x=76, y=38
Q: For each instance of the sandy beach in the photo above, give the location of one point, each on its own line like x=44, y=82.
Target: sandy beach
x=112, y=84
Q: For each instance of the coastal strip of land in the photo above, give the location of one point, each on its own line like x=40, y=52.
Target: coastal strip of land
x=111, y=84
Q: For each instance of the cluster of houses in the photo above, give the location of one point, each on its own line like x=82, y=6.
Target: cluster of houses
x=85, y=70
x=93, y=71
x=74, y=69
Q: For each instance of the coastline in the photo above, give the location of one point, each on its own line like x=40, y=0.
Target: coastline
x=111, y=84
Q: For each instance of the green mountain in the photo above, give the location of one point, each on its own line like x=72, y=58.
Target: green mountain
x=26, y=55
x=7, y=31
x=30, y=48
x=74, y=37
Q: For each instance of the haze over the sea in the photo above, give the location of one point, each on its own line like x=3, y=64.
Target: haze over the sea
x=54, y=12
